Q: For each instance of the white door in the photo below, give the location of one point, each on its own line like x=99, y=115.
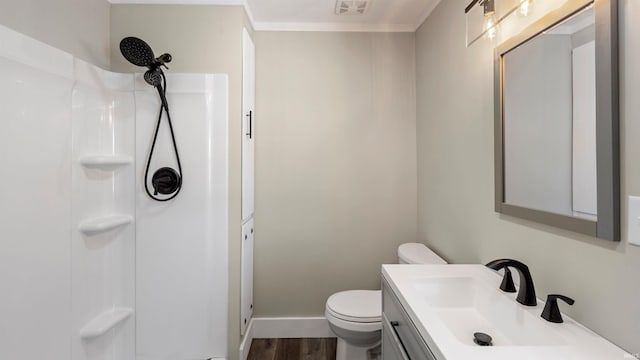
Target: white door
x=248, y=160
x=248, y=124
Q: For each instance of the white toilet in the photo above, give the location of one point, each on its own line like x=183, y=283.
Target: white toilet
x=355, y=316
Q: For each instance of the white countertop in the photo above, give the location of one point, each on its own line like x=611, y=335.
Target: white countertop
x=564, y=341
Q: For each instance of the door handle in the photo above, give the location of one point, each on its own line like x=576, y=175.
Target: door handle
x=250, y=116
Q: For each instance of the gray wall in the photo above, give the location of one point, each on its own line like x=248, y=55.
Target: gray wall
x=335, y=164
x=455, y=179
x=202, y=39
x=79, y=27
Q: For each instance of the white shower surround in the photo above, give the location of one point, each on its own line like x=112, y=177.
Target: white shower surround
x=71, y=184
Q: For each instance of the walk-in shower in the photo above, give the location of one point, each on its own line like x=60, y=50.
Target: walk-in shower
x=93, y=267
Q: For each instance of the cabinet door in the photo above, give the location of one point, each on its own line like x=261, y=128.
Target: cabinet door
x=248, y=124
x=391, y=348
x=399, y=327
x=246, y=276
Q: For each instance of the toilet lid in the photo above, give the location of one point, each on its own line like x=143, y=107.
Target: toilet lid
x=356, y=305
x=416, y=253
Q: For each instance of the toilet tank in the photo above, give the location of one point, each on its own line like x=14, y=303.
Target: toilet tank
x=416, y=253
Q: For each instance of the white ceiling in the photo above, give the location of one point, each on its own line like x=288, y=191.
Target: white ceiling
x=319, y=15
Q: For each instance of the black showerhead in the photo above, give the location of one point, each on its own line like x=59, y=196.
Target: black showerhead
x=137, y=52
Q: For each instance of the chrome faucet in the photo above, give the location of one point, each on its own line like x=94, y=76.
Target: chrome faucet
x=527, y=294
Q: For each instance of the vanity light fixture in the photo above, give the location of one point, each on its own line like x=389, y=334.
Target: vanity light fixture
x=490, y=24
x=487, y=25
x=492, y=18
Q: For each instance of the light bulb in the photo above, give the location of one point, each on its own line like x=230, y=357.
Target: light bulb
x=525, y=7
x=490, y=27
x=490, y=20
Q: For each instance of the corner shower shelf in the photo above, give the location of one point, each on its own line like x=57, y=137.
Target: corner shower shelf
x=105, y=162
x=105, y=322
x=104, y=223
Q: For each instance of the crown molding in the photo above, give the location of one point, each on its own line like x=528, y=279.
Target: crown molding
x=427, y=11
x=249, y=12
x=332, y=27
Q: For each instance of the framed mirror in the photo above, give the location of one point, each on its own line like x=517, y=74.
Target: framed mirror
x=556, y=121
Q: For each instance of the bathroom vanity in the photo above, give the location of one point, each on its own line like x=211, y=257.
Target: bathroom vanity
x=433, y=311
x=400, y=337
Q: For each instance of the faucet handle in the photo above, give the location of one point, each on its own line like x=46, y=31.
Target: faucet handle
x=551, y=311
x=507, y=281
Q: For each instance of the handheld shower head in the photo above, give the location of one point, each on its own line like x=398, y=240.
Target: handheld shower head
x=153, y=77
x=137, y=52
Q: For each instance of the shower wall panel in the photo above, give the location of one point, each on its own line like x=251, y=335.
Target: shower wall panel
x=35, y=207
x=103, y=206
x=181, y=252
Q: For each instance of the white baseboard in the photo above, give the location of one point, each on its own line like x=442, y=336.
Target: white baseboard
x=291, y=327
x=245, y=344
x=284, y=327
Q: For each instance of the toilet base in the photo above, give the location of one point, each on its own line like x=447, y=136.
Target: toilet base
x=346, y=351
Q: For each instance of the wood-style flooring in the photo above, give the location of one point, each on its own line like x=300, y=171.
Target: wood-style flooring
x=293, y=349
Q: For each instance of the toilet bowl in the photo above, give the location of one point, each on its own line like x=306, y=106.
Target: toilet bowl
x=355, y=316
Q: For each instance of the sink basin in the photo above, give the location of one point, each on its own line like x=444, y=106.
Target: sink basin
x=449, y=303
x=467, y=305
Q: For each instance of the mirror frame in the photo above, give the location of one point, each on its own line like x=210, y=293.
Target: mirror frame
x=607, y=225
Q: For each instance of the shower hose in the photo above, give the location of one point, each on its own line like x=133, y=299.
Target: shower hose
x=164, y=106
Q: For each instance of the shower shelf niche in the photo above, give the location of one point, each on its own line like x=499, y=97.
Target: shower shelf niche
x=104, y=223
x=105, y=322
x=105, y=161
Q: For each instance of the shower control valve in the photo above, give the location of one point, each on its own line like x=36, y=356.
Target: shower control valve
x=165, y=181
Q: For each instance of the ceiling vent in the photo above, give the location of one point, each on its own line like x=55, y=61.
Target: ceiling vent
x=352, y=7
